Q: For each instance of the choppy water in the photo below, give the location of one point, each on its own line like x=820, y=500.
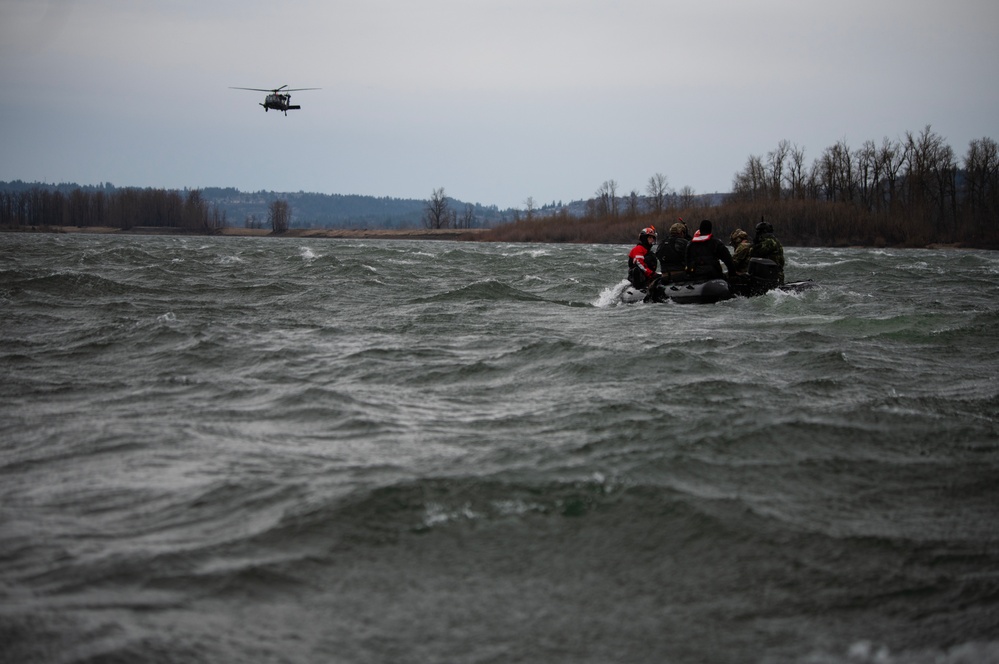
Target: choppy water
x=262, y=450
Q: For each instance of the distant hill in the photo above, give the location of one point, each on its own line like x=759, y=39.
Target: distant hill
x=308, y=210
x=312, y=210
x=243, y=209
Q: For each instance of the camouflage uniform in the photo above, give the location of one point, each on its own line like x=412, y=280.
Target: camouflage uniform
x=766, y=245
x=743, y=247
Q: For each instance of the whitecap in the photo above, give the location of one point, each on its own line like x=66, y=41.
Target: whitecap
x=612, y=295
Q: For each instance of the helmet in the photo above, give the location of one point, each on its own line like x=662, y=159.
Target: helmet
x=679, y=229
x=764, y=227
x=648, y=233
x=738, y=235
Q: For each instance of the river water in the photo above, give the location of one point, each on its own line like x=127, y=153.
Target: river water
x=313, y=450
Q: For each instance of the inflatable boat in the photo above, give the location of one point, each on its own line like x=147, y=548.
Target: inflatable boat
x=762, y=277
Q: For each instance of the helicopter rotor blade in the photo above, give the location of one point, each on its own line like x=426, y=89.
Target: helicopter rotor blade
x=274, y=90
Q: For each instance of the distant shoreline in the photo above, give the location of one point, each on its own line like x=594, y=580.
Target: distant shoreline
x=381, y=233
x=453, y=234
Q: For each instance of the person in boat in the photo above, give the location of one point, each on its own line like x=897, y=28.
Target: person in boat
x=672, y=252
x=706, y=253
x=741, y=247
x=642, y=260
x=766, y=245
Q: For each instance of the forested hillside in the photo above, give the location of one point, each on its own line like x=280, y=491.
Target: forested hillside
x=68, y=204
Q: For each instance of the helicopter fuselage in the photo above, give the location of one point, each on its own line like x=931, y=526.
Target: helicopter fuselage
x=279, y=102
x=278, y=99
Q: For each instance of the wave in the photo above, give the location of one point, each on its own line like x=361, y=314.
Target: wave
x=65, y=283
x=611, y=295
x=873, y=652
x=484, y=291
x=415, y=451
x=645, y=549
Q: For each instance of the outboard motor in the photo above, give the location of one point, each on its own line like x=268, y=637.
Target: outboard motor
x=764, y=268
x=762, y=275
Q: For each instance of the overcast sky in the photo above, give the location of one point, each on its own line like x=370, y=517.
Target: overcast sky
x=494, y=100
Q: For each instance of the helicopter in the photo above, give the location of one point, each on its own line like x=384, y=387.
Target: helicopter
x=278, y=99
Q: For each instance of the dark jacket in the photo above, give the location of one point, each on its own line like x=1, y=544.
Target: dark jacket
x=703, y=255
x=672, y=254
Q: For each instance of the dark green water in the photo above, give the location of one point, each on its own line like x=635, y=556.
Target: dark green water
x=262, y=450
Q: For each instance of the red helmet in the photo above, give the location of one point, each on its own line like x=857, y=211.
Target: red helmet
x=647, y=233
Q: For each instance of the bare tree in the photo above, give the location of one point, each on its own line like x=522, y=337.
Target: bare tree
x=868, y=173
x=529, y=207
x=846, y=171
x=796, y=175
x=931, y=177
x=279, y=216
x=688, y=197
x=945, y=175
x=217, y=218
x=435, y=214
x=750, y=183
x=981, y=165
x=657, y=190
x=891, y=156
x=921, y=155
x=607, y=199
x=468, y=216
x=775, y=168
x=836, y=173
x=194, y=210
x=634, y=205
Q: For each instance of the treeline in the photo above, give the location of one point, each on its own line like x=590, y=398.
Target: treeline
x=252, y=209
x=440, y=212
x=116, y=208
x=906, y=192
